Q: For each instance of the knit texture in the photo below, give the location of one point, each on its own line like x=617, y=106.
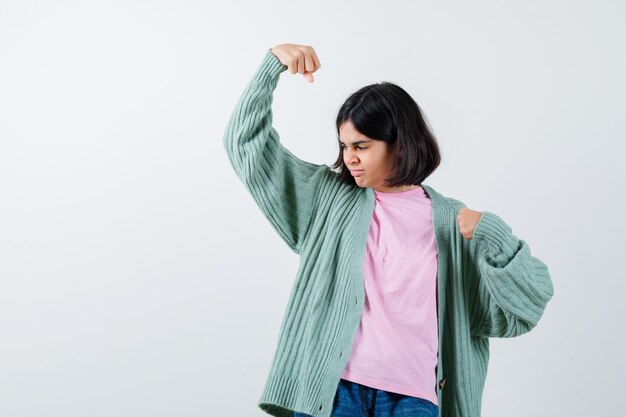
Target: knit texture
x=489, y=286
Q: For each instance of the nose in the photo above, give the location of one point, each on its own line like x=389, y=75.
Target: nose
x=350, y=157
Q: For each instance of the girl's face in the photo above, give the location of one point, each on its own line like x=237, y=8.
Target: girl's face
x=368, y=160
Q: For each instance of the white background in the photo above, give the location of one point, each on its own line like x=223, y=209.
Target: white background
x=137, y=276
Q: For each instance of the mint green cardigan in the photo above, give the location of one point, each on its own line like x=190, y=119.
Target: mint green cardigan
x=489, y=286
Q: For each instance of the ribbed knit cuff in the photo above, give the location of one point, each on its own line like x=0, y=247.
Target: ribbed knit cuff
x=270, y=68
x=496, y=233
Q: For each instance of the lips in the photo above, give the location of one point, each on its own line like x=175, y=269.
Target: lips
x=356, y=172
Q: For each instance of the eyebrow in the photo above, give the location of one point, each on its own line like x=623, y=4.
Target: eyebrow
x=358, y=142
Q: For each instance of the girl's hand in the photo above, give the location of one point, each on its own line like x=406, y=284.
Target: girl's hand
x=300, y=59
x=468, y=219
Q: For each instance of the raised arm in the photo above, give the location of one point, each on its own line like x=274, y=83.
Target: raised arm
x=282, y=185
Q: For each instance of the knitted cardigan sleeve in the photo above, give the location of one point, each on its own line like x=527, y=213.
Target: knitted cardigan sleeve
x=514, y=287
x=282, y=185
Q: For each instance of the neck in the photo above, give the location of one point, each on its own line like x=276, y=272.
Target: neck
x=398, y=189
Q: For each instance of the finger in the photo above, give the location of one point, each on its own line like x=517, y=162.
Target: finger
x=308, y=76
x=293, y=65
x=301, y=63
x=309, y=65
x=316, y=61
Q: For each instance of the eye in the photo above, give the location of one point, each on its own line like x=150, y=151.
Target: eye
x=361, y=147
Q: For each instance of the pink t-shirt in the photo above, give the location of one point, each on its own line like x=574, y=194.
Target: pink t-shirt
x=396, y=345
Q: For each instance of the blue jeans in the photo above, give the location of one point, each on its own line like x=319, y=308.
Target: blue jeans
x=355, y=400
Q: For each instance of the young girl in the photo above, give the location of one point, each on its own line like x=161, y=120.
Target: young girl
x=399, y=287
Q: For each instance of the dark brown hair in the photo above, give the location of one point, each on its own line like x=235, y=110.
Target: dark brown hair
x=385, y=111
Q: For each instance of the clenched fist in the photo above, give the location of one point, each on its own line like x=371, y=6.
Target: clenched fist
x=299, y=59
x=467, y=220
